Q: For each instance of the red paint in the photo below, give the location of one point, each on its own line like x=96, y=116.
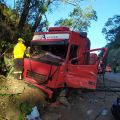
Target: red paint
x=76, y=74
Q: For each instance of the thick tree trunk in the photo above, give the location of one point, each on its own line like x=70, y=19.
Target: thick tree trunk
x=24, y=15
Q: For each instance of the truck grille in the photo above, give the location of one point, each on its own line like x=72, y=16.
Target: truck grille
x=38, y=77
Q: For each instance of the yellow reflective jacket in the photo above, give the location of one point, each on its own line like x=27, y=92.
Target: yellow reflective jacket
x=19, y=50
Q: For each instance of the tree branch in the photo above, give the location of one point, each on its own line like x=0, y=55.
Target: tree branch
x=39, y=17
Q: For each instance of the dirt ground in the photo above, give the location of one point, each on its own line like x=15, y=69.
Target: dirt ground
x=94, y=105
x=17, y=98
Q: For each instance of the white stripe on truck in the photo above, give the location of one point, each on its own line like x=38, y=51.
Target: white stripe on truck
x=51, y=36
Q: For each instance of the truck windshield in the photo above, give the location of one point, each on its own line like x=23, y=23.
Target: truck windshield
x=53, y=54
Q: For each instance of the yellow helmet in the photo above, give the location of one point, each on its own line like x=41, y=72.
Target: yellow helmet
x=20, y=40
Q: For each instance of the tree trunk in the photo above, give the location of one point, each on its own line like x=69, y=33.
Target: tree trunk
x=37, y=22
x=39, y=17
x=24, y=15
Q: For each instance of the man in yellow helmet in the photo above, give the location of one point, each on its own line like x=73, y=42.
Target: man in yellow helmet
x=18, y=52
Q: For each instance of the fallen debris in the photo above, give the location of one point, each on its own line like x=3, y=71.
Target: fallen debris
x=13, y=93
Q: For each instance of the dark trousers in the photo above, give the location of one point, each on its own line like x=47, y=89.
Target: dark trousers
x=18, y=68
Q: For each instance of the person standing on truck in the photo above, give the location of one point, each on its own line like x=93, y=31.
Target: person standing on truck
x=18, y=53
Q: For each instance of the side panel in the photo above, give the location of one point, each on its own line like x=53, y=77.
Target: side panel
x=82, y=76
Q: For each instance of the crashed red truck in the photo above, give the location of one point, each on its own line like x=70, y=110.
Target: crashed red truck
x=62, y=58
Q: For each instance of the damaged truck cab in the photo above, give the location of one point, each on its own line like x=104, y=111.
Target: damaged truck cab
x=61, y=58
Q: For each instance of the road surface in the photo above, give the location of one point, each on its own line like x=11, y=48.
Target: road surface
x=113, y=76
x=87, y=105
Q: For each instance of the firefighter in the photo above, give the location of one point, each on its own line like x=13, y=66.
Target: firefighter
x=18, y=53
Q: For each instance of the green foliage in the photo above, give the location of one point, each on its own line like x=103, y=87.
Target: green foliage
x=112, y=32
x=79, y=19
x=6, y=23
x=64, y=22
x=21, y=116
x=25, y=108
x=112, y=28
x=30, y=16
x=37, y=9
x=43, y=9
x=9, y=20
x=8, y=26
x=112, y=35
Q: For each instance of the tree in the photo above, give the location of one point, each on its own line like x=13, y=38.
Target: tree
x=29, y=16
x=112, y=35
x=8, y=23
x=112, y=28
x=24, y=14
x=34, y=12
x=2, y=1
x=79, y=19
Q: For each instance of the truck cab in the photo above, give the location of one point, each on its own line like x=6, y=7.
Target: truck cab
x=60, y=58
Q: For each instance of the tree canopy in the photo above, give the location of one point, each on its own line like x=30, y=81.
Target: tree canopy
x=34, y=12
x=79, y=19
x=112, y=28
x=29, y=16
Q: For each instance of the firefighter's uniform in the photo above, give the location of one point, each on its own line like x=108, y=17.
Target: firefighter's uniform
x=18, y=52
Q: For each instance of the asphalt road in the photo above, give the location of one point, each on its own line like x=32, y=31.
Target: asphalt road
x=113, y=76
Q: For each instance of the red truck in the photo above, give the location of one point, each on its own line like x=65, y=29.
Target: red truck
x=62, y=58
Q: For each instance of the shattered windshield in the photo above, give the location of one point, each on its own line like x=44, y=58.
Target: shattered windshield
x=52, y=54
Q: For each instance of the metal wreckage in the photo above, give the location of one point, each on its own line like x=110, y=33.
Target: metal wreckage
x=61, y=58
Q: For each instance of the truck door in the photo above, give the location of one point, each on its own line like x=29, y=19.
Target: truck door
x=80, y=75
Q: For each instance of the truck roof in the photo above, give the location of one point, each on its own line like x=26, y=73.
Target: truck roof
x=58, y=35
x=55, y=35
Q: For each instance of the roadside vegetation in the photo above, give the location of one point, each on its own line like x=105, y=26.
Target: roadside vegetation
x=111, y=31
